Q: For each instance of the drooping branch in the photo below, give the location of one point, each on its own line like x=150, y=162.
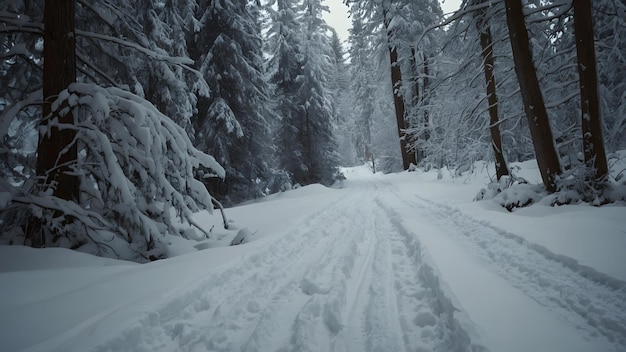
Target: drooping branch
x=174, y=60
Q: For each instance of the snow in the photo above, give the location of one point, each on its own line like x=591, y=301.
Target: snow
x=401, y=262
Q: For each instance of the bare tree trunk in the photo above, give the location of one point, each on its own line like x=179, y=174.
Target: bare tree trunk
x=57, y=150
x=408, y=158
x=593, y=143
x=425, y=102
x=420, y=98
x=486, y=44
x=543, y=141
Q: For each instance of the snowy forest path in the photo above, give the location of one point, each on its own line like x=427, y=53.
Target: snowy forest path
x=370, y=271
x=348, y=277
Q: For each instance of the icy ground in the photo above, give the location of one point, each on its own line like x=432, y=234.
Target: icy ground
x=401, y=262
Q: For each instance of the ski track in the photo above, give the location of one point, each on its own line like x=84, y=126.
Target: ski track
x=338, y=281
x=593, y=302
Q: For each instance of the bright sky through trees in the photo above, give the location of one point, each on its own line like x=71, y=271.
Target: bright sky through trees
x=338, y=16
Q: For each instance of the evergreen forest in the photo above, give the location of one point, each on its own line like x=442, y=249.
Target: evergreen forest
x=121, y=119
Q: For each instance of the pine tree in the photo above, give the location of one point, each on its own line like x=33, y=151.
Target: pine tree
x=315, y=98
x=232, y=123
x=284, y=46
x=376, y=137
x=139, y=46
x=300, y=66
x=342, y=103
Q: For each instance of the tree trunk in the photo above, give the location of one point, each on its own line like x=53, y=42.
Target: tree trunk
x=408, y=157
x=419, y=99
x=56, y=149
x=543, y=142
x=593, y=143
x=486, y=44
x=425, y=102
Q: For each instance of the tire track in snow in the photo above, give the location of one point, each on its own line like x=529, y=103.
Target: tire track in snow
x=347, y=278
x=426, y=315
x=593, y=302
x=378, y=287
x=266, y=283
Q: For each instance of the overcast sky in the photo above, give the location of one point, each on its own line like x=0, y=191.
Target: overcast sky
x=338, y=16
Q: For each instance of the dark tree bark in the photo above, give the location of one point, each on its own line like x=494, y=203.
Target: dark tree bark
x=543, y=141
x=408, y=157
x=593, y=143
x=57, y=150
x=486, y=44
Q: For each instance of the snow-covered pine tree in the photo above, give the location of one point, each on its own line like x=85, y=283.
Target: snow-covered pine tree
x=376, y=130
x=111, y=33
x=285, y=68
x=342, y=103
x=232, y=124
x=315, y=99
x=301, y=62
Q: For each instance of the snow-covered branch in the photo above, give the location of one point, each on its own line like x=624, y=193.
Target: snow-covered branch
x=150, y=53
x=137, y=175
x=8, y=114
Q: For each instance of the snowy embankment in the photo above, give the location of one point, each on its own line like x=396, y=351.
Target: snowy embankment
x=401, y=262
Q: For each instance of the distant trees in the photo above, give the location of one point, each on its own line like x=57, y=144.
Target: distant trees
x=364, y=89
x=400, y=25
x=342, y=103
x=437, y=75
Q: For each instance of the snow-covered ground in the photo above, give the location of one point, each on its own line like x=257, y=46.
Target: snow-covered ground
x=403, y=262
